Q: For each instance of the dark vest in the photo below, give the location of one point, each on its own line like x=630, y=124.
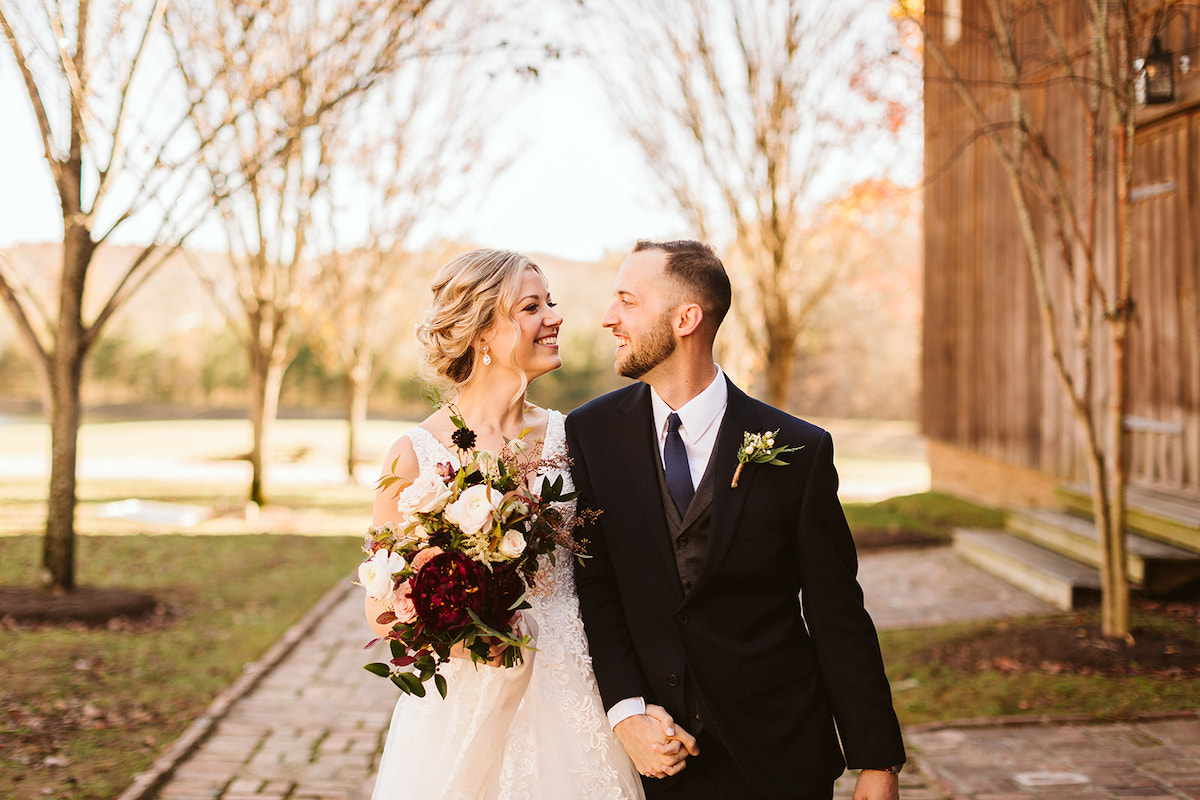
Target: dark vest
x=689, y=534
x=689, y=543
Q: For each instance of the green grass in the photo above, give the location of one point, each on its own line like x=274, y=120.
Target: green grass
x=928, y=514
x=108, y=701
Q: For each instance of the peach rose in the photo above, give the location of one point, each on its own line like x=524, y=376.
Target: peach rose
x=422, y=556
x=512, y=545
x=402, y=604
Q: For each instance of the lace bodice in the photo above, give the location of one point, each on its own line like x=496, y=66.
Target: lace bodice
x=557, y=743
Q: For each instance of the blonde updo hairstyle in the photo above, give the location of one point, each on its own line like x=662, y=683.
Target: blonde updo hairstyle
x=470, y=294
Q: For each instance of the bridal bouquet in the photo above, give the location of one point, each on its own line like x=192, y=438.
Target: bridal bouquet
x=456, y=568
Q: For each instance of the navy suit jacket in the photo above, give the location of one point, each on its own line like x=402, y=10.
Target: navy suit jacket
x=773, y=633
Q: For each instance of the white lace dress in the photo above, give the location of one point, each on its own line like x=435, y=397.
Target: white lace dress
x=537, y=731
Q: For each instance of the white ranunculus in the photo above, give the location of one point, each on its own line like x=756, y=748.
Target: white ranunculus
x=426, y=495
x=472, y=511
x=375, y=574
x=512, y=545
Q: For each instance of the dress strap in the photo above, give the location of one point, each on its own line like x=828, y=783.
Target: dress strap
x=429, y=451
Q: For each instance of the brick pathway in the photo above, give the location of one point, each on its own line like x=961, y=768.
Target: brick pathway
x=311, y=729
x=1146, y=760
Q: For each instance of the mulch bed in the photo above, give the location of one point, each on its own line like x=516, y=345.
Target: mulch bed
x=883, y=539
x=1073, y=645
x=85, y=605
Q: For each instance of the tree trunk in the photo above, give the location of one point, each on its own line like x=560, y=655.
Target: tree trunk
x=58, y=546
x=1114, y=611
x=266, y=380
x=781, y=357
x=357, y=379
x=65, y=374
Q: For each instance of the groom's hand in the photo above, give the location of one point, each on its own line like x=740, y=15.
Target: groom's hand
x=657, y=746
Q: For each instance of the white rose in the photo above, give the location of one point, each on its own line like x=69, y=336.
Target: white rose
x=426, y=495
x=512, y=545
x=473, y=508
x=375, y=574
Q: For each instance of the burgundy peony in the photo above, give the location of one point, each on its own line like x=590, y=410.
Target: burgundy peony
x=505, y=587
x=447, y=587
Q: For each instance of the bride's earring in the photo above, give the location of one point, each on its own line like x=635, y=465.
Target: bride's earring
x=487, y=360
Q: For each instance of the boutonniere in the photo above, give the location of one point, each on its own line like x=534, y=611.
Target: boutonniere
x=759, y=448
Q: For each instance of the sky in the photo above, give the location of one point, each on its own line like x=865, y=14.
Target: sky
x=577, y=189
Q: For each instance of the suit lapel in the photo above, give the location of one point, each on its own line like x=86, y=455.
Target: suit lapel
x=727, y=502
x=637, y=445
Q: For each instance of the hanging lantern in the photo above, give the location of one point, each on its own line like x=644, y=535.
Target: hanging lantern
x=1158, y=74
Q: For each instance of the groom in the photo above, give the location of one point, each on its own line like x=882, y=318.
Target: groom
x=726, y=625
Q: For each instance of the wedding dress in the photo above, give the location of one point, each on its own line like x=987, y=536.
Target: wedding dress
x=537, y=731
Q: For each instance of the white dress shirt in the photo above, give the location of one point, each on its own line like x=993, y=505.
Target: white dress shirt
x=699, y=422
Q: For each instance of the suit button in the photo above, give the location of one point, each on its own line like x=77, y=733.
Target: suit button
x=672, y=680
x=681, y=618
x=687, y=585
x=682, y=541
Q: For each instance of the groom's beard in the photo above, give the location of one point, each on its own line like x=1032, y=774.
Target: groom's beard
x=648, y=352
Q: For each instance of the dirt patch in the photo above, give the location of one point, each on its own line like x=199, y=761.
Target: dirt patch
x=884, y=538
x=86, y=605
x=1166, y=645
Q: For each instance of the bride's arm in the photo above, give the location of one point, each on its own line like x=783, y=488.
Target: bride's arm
x=385, y=510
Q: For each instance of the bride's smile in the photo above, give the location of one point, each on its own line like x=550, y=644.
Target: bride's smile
x=527, y=340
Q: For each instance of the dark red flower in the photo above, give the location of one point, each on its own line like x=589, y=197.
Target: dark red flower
x=463, y=438
x=447, y=587
x=505, y=587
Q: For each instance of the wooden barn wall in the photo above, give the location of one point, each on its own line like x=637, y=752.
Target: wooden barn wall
x=989, y=386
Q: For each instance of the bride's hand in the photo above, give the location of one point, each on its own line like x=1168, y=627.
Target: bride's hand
x=495, y=653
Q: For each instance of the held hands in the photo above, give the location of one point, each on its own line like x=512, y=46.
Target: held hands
x=875, y=784
x=657, y=746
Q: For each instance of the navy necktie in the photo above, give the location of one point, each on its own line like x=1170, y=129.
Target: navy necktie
x=675, y=464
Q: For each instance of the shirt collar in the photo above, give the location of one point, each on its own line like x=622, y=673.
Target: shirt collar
x=697, y=415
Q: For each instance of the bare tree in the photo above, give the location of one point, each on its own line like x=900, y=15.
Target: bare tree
x=111, y=120
x=307, y=63
x=750, y=115
x=403, y=162
x=1073, y=207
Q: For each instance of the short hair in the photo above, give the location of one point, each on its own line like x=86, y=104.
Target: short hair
x=470, y=294
x=698, y=271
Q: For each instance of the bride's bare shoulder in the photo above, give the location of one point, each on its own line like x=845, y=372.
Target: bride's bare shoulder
x=401, y=459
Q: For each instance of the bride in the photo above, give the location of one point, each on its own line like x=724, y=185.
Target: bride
x=537, y=730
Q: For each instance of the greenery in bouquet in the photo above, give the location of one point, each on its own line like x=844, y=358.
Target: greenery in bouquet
x=456, y=569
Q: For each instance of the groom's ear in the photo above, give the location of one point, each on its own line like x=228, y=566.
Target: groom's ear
x=688, y=319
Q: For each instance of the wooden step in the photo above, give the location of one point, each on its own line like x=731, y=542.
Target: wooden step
x=1049, y=576
x=1153, y=566
x=1169, y=518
